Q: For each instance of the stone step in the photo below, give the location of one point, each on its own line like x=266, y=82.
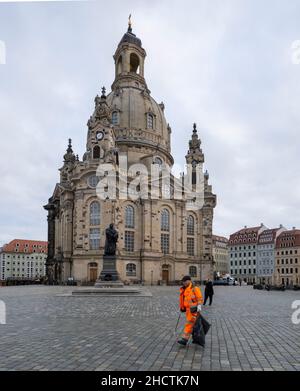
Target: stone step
x=112, y=292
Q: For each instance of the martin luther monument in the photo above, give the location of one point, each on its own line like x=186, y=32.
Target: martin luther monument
x=109, y=271
x=111, y=240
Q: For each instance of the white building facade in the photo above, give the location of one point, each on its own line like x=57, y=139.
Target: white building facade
x=23, y=259
x=243, y=253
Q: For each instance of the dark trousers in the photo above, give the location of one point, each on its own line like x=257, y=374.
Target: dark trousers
x=206, y=296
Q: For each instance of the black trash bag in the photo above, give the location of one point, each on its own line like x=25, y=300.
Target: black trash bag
x=200, y=329
x=205, y=324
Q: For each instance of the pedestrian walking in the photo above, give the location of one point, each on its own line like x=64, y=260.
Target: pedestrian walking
x=209, y=292
x=190, y=301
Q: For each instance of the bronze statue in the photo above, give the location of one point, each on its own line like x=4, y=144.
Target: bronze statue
x=111, y=240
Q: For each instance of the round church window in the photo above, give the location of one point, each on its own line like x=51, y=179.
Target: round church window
x=93, y=181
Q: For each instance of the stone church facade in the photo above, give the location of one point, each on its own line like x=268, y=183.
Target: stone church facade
x=161, y=238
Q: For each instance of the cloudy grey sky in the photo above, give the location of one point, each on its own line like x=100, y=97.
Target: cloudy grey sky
x=227, y=65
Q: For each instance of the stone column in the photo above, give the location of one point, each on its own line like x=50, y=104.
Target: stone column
x=52, y=211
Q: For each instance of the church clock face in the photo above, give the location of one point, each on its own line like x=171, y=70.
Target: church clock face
x=100, y=135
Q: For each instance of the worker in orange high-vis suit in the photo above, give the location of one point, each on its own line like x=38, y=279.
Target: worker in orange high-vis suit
x=190, y=302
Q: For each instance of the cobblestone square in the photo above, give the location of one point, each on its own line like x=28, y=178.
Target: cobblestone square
x=251, y=330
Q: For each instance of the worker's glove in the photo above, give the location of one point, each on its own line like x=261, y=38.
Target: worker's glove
x=199, y=308
x=182, y=310
x=193, y=310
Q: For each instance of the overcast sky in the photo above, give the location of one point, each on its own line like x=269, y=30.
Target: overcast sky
x=227, y=65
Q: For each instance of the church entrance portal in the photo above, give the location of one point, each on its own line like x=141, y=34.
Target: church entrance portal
x=93, y=272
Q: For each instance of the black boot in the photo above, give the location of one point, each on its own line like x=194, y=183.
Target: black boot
x=182, y=341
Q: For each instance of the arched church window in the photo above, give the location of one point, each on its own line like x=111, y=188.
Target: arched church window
x=131, y=270
x=165, y=220
x=94, y=238
x=191, y=246
x=190, y=234
x=193, y=271
x=129, y=241
x=150, y=121
x=134, y=63
x=129, y=231
x=115, y=118
x=191, y=225
x=165, y=229
x=96, y=152
x=95, y=213
x=129, y=217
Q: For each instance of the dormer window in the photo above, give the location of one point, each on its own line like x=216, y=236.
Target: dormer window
x=115, y=118
x=150, y=121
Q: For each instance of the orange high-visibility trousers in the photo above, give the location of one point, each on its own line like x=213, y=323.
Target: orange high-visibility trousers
x=190, y=321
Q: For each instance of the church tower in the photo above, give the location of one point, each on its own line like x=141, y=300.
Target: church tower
x=160, y=237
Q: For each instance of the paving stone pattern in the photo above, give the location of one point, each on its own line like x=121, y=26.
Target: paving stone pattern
x=251, y=330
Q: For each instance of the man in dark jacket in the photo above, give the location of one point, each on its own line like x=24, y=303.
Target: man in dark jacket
x=209, y=292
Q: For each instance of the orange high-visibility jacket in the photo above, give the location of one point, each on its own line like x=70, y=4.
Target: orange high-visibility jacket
x=190, y=296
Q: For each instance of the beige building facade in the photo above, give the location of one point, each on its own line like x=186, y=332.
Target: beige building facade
x=220, y=256
x=287, y=258
x=164, y=233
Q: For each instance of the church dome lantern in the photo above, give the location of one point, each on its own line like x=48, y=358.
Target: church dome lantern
x=137, y=118
x=129, y=58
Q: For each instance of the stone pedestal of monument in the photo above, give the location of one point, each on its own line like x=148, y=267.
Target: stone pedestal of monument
x=109, y=283
x=109, y=277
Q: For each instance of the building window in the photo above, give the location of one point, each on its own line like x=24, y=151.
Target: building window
x=93, y=181
x=150, y=121
x=165, y=220
x=131, y=270
x=165, y=227
x=115, y=118
x=191, y=226
x=190, y=246
x=96, y=152
x=193, y=271
x=129, y=241
x=129, y=217
x=94, y=238
x=95, y=213
x=158, y=161
x=134, y=63
x=165, y=243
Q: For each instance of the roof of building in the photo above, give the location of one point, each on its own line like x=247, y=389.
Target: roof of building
x=129, y=37
x=289, y=238
x=268, y=236
x=217, y=238
x=26, y=246
x=246, y=235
